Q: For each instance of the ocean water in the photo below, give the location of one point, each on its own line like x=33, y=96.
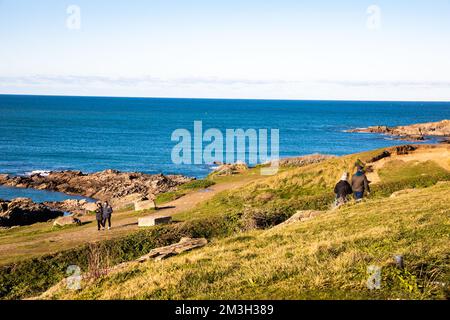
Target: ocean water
x=134, y=134
x=39, y=196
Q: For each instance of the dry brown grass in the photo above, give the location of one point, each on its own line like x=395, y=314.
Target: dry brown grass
x=326, y=258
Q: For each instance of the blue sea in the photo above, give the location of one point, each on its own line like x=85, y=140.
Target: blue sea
x=134, y=134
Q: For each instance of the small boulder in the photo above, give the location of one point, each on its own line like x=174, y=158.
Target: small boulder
x=90, y=206
x=230, y=169
x=301, y=216
x=144, y=205
x=66, y=221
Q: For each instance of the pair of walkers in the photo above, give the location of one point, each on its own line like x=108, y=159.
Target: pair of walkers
x=358, y=186
x=103, y=214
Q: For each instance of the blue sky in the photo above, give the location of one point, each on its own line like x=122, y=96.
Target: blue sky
x=228, y=49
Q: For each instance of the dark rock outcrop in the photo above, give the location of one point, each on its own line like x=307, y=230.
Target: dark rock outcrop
x=401, y=150
x=382, y=155
x=105, y=185
x=23, y=211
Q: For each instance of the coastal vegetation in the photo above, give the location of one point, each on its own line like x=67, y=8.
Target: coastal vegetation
x=324, y=258
x=253, y=255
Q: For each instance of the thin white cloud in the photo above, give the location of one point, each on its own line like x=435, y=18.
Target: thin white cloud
x=390, y=84
x=227, y=88
x=77, y=80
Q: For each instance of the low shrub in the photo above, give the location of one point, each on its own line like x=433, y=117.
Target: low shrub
x=263, y=218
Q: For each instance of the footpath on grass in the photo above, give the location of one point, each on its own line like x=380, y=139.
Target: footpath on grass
x=42, y=238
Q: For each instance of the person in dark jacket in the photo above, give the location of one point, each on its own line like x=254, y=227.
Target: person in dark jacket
x=99, y=216
x=107, y=213
x=342, y=190
x=360, y=184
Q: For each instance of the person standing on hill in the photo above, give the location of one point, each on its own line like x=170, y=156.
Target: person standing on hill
x=360, y=184
x=342, y=190
x=99, y=216
x=107, y=213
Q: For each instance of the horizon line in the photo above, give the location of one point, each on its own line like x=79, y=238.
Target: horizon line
x=209, y=98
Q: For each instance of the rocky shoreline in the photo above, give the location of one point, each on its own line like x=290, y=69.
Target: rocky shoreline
x=119, y=188
x=414, y=132
x=108, y=185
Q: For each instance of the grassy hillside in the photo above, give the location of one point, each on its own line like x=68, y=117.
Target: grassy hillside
x=250, y=258
x=311, y=187
x=325, y=258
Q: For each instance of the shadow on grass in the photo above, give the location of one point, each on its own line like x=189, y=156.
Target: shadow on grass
x=164, y=208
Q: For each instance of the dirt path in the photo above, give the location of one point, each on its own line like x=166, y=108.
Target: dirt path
x=122, y=223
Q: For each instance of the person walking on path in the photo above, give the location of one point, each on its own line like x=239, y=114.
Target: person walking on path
x=99, y=216
x=107, y=213
x=342, y=190
x=360, y=184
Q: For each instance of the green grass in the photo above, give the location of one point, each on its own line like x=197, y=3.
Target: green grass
x=40, y=230
x=399, y=170
x=30, y=277
x=183, y=190
x=225, y=219
x=324, y=258
x=399, y=175
x=311, y=187
x=33, y=231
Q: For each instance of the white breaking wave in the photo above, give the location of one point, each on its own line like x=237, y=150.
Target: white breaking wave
x=42, y=173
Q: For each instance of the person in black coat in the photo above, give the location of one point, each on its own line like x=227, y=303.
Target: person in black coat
x=99, y=216
x=342, y=190
x=107, y=213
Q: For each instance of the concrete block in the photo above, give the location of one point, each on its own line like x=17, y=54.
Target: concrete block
x=153, y=221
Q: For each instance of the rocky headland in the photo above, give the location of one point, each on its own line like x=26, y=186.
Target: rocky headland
x=414, y=132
